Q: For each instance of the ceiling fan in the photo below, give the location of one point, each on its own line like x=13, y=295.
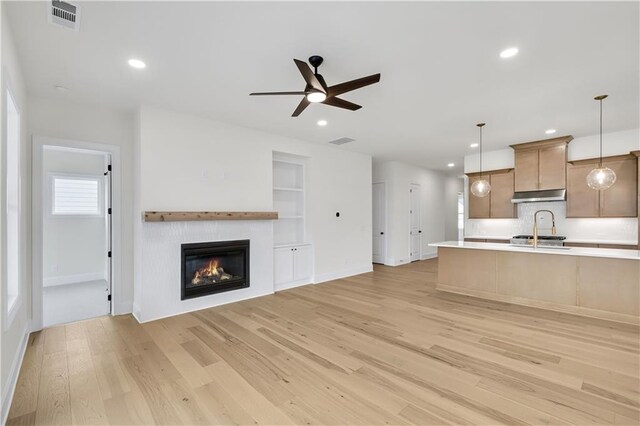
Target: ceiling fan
x=317, y=91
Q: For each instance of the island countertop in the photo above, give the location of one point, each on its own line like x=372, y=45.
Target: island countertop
x=567, y=251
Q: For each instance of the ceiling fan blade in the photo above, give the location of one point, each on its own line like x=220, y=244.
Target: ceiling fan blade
x=309, y=76
x=301, y=106
x=348, y=86
x=341, y=103
x=276, y=93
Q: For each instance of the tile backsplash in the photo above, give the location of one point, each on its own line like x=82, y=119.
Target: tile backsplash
x=592, y=229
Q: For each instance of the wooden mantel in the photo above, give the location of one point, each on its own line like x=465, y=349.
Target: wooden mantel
x=192, y=216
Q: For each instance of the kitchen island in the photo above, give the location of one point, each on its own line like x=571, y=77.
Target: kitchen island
x=596, y=282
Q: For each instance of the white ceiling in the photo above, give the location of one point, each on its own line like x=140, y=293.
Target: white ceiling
x=441, y=72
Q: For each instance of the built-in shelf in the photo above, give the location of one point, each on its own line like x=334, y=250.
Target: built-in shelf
x=288, y=199
x=177, y=216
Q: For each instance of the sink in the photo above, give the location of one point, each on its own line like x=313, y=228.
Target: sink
x=541, y=247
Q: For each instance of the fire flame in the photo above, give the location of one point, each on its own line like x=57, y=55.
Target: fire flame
x=210, y=270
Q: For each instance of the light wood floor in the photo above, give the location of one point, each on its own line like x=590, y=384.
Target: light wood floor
x=378, y=348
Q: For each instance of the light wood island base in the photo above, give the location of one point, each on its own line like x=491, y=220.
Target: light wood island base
x=598, y=287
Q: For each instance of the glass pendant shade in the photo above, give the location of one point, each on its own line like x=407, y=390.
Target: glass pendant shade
x=601, y=178
x=480, y=188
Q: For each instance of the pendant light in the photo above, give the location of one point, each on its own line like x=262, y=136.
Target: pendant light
x=481, y=187
x=601, y=178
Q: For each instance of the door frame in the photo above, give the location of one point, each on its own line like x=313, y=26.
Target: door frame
x=411, y=185
x=37, y=219
x=386, y=222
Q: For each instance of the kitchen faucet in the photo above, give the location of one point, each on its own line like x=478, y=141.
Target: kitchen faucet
x=535, y=226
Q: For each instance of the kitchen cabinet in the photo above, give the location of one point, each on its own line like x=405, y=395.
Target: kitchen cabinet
x=479, y=207
x=596, y=245
x=498, y=203
x=582, y=201
x=541, y=164
x=620, y=200
x=292, y=265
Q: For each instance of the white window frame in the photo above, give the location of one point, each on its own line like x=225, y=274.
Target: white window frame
x=75, y=176
x=11, y=306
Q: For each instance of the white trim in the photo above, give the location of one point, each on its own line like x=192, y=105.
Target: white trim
x=330, y=276
x=12, y=378
x=411, y=185
x=73, y=279
x=38, y=143
x=429, y=255
x=136, y=310
x=394, y=262
x=386, y=221
x=292, y=284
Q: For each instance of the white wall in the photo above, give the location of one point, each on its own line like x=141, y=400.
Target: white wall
x=398, y=177
x=614, y=230
x=92, y=123
x=13, y=334
x=452, y=186
x=74, y=247
x=191, y=163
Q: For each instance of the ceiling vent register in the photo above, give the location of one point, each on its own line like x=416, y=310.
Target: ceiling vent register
x=341, y=141
x=64, y=14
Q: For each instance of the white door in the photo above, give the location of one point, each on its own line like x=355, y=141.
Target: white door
x=379, y=223
x=414, y=220
x=76, y=235
x=283, y=265
x=301, y=263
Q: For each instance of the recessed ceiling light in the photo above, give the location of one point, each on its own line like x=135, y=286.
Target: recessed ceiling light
x=474, y=145
x=322, y=123
x=550, y=131
x=509, y=53
x=137, y=63
x=61, y=88
x=450, y=165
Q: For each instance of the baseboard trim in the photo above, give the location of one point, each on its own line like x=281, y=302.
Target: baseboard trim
x=429, y=256
x=393, y=262
x=72, y=279
x=138, y=316
x=330, y=276
x=292, y=284
x=12, y=380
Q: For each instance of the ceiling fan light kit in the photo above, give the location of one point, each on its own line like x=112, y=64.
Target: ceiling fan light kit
x=317, y=90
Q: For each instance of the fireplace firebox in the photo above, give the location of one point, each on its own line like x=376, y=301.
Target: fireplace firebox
x=214, y=267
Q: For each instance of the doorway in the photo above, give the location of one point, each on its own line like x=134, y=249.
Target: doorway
x=76, y=228
x=415, y=231
x=379, y=223
x=76, y=235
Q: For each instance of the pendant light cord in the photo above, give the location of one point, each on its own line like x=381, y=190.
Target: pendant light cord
x=601, y=98
x=480, y=152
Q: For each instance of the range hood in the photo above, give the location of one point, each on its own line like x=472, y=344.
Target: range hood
x=539, y=196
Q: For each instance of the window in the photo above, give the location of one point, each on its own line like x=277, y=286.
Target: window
x=76, y=195
x=13, y=202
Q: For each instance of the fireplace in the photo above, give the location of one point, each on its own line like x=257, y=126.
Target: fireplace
x=214, y=267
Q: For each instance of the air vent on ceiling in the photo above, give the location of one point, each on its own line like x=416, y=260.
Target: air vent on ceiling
x=64, y=14
x=341, y=141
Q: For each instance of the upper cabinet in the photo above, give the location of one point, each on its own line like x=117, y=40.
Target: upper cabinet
x=620, y=200
x=541, y=164
x=498, y=203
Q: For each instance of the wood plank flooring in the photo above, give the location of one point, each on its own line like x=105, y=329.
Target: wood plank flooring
x=379, y=348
